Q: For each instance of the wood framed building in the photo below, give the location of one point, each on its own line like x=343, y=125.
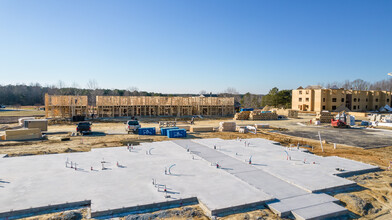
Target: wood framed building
x=65, y=106
x=123, y=106
x=119, y=106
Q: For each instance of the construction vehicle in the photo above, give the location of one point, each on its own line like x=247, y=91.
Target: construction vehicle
x=340, y=122
x=132, y=126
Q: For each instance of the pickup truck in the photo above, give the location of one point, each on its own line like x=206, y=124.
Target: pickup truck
x=132, y=126
x=83, y=128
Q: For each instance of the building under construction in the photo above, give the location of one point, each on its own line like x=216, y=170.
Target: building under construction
x=124, y=106
x=64, y=106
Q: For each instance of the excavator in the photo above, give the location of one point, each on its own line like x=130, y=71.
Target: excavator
x=341, y=122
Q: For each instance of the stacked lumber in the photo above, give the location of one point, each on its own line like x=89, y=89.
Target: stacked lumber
x=244, y=115
x=202, y=129
x=263, y=115
x=258, y=126
x=227, y=126
x=290, y=113
x=42, y=124
x=186, y=127
x=23, y=134
x=324, y=117
x=21, y=120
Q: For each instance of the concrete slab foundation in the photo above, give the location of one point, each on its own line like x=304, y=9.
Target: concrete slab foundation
x=161, y=175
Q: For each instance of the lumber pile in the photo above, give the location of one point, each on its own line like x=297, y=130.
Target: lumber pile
x=42, y=124
x=23, y=134
x=263, y=115
x=202, y=129
x=227, y=126
x=244, y=115
x=21, y=120
x=186, y=127
x=258, y=126
x=324, y=117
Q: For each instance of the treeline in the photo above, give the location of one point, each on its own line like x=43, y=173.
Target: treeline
x=34, y=94
x=359, y=84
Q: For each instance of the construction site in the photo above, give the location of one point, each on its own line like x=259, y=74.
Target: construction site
x=193, y=158
x=125, y=106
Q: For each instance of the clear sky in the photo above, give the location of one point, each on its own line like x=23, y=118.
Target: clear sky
x=187, y=46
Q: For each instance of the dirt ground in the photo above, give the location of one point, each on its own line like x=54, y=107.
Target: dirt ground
x=372, y=200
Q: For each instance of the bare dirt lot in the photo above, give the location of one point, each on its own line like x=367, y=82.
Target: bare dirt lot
x=373, y=200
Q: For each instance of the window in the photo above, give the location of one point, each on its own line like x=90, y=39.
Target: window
x=376, y=106
x=307, y=99
x=355, y=99
x=334, y=107
x=355, y=107
x=307, y=92
x=342, y=99
x=367, y=99
x=323, y=99
x=300, y=99
x=366, y=107
x=359, y=99
x=300, y=92
x=358, y=107
x=333, y=99
x=323, y=107
x=387, y=100
x=376, y=100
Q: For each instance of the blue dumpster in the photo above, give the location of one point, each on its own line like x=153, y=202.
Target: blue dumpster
x=164, y=130
x=176, y=133
x=147, y=131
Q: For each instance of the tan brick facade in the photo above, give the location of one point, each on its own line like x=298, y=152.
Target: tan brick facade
x=331, y=99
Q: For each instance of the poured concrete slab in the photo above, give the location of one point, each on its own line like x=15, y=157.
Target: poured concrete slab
x=321, y=211
x=292, y=165
x=287, y=185
x=284, y=207
x=36, y=181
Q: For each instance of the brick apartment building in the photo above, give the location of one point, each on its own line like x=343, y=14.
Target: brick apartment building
x=315, y=98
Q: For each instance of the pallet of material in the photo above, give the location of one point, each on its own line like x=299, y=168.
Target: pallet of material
x=258, y=126
x=324, y=117
x=227, y=126
x=42, y=124
x=261, y=115
x=244, y=115
x=21, y=120
x=23, y=134
x=202, y=129
x=186, y=127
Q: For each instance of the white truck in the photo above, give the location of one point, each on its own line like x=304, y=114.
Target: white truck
x=132, y=126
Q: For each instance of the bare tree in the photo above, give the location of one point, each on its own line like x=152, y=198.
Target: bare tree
x=231, y=90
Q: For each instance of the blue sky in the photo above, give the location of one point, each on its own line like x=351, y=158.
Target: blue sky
x=187, y=46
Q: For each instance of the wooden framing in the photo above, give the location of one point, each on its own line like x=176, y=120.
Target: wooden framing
x=64, y=106
x=120, y=106
x=124, y=106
